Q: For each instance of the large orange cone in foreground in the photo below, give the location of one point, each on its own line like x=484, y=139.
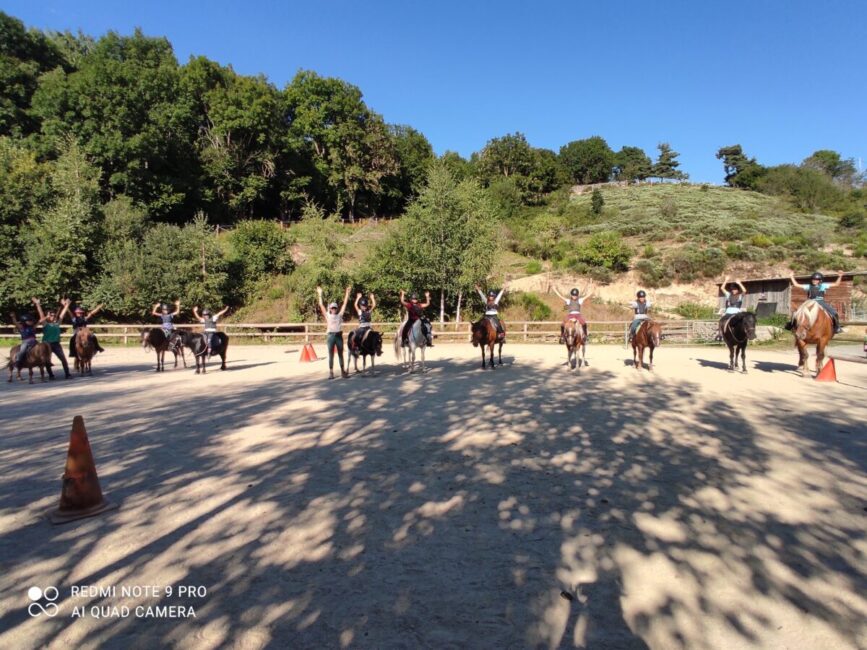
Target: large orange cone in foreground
x=308, y=353
x=828, y=372
x=80, y=495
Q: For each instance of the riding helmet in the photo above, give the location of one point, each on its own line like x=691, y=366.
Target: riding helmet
x=164, y=306
x=641, y=294
x=206, y=312
x=817, y=276
x=574, y=292
x=414, y=297
x=492, y=294
x=78, y=310
x=363, y=302
x=333, y=305
x=27, y=317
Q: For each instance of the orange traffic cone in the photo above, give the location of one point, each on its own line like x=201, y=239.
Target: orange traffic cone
x=80, y=495
x=827, y=373
x=308, y=353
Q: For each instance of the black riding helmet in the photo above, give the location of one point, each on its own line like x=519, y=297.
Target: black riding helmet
x=641, y=294
x=414, y=297
x=164, y=307
x=817, y=276
x=574, y=292
x=363, y=302
x=492, y=294
x=206, y=312
x=28, y=318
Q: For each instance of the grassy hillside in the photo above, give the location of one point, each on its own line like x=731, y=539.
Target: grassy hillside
x=656, y=234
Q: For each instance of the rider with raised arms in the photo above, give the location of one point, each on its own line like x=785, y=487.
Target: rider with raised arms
x=79, y=320
x=573, y=307
x=734, y=303
x=364, y=308
x=415, y=311
x=210, y=325
x=166, y=317
x=492, y=304
x=816, y=290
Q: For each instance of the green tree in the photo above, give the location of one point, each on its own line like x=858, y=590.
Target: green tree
x=666, y=165
x=414, y=154
x=459, y=167
x=57, y=244
x=632, y=164
x=258, y=249
x=741, y=171
x=808, y=189
x=507, y=156
x=596, y=201
x=841, y=171
x=587, y=161
x=545, y=176
x=125, y=107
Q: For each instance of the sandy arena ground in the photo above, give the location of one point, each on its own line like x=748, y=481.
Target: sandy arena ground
x=522, y=507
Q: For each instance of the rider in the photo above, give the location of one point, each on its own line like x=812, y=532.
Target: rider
x=334, y=329
x=492, y=303
x=364, y=308
x=816, y=291
x=640, y=306
x=50, y=322
x=167, y=317
x=79, y=320
x=415, y=311
x=573, y=305
x=210, y=322
x=734, y=304
x=27, y=328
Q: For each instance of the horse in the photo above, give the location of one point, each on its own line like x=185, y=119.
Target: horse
x=648, y=335
x=812, y=326
x=370, y=345
x=737, y=333
x=155, y=338
x=576, y=344
x=39, y=356
x=415, y=340
x=85, y=348
x=484, y=334
x=198, y=344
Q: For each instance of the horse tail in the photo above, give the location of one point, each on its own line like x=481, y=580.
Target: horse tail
x=397, y=341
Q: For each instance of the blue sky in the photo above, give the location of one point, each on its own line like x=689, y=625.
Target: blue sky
x=782, y=78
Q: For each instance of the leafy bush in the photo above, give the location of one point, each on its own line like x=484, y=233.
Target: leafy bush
x=668, y=208
x=535, y=308
x=596, y=201
x=652, y=273
x=690, y=263
x=606, y=250
x=649, y=251
x=695, y=311
x=761, y=240
x=533, y=267
x=775, y=320
x=852, y=220
x=258, y=248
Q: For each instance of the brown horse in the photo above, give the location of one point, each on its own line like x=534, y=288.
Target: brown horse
x=39, y=356
x=576, y=344
x=812, y=326
x=485, y=335
x=156, y=339
x=649, y=335
x=85, y=348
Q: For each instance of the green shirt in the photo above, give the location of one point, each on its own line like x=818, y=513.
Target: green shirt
x=50, y=333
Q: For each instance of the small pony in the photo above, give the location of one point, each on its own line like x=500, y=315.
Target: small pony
x=370, y=345
x=648, y=336
x=484, y=334
x=39, y=356
x=576, y=344
x=85, y=348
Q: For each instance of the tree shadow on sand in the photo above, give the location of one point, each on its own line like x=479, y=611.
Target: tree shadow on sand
x=450, y=509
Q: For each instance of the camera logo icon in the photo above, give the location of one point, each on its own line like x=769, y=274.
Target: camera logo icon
x=36, y=595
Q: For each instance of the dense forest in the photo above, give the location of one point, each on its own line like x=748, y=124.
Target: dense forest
x=118, y=164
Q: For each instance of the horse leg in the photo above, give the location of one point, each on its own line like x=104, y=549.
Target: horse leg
x=482, y=348
x=650, y=366
x=820, y=356
x=803, y=357
x=30, y=370
x=744, y=358
x=500, y=354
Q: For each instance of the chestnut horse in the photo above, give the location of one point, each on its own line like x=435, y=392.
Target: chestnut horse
x=85, y=348
x=39, y=356
x=649, y=335
x=812, y=326
x=485, y=335
x=156, y=339
x=576, y=344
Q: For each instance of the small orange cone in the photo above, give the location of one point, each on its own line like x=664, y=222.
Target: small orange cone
x=308, y=353
x=827, y=373
x=80, y=495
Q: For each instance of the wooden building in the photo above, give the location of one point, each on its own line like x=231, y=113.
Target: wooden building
x=768, y=296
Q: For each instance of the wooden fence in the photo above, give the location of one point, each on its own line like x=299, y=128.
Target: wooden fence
x=685, y=331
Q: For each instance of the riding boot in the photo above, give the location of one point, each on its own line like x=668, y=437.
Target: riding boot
x=562, y=335
x=789, y=326
x=837, y=328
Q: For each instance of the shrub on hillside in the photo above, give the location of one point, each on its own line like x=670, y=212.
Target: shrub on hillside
x=605, y=250
x=533, y=267
x=652, y=273
x=533, y=305
x=689, y=262
x=695, y=311
x=258, y=248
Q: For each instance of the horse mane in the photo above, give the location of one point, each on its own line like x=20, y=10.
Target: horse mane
x=809, y=310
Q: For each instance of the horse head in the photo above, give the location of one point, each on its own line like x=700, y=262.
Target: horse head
x=478, y=333
x=375, y=339
x=749, y=325
x=654, y=331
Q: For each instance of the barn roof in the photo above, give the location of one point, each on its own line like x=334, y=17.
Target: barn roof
x=805, y=278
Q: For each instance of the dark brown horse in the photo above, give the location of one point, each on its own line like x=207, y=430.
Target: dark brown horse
x=812, y=326
x=39, y=356
x=156, y=339
x=484, y=334
x=648, y=336
x=85, y=348
x=576, y=344
x=737, y=332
